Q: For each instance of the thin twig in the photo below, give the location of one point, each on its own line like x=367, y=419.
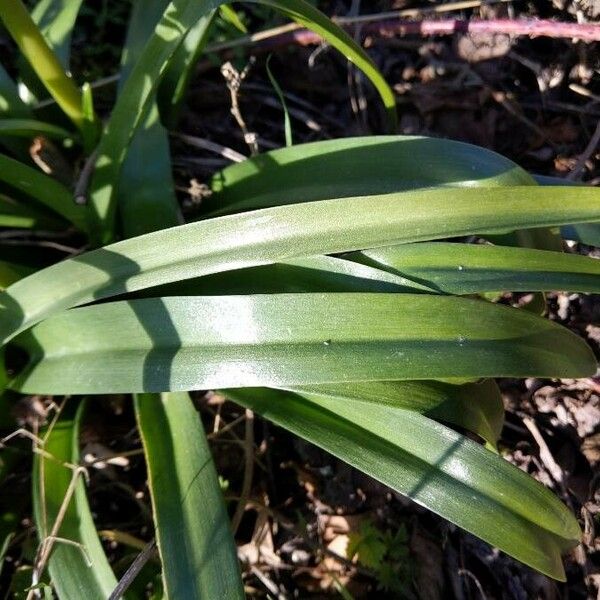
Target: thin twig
x=83, y=181
x=546, y=456
x=136, y=566
x=248, y=471
x=348, y=21
x=467, y=573
x=234, y=79
x=205, y=144
x=45, y=548
x=282, y=36
x=577, y=171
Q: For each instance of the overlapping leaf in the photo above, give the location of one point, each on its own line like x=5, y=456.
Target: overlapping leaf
x=185, y=343
x=178, y=19
x=473, y=268
x=435, y=466
x=354, y=167
x=197, y=550
x=78, y=567
x=280, y=233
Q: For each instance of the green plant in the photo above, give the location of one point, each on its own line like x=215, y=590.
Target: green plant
x=385, y=552
x=313, y=291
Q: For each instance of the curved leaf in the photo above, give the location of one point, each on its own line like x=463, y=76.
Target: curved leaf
x=30, y=128
x=43, y=189
x=354, y=167
x=145, y=193
x=282, y=233
x=474, y=268
x=138, y=92
x=42, y=59
x=13, y=214
x=476, y=407
x=186, y=343
x=197, y=549
x=56, y=19
x=72, y=575
x=311, y=274
x=436, y=467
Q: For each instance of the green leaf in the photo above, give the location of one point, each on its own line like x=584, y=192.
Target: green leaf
x=192, y=528
x=476, y=407
x=13, y=214
x=355, y=167
x=287, y=126
x=56, y=19
x=43, y=60
x=11, y=104
x=145, y=193
x=586, y=233
x=311, y=274
x=139, y=89
x=471, y=268
x=43, y=189
x=181, y=68
x=436, y=467
x=228, y=14
x=72, y=575
x=282, y=233
x=186, y=343
x=30, y=128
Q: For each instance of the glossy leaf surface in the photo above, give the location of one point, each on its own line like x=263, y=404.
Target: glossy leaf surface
x=77, y=571
x=472, y=268
x=281, y=233
x=436, y=467
x=189, y=511
x=186, y=343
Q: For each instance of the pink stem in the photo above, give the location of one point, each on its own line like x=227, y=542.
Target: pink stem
x=391, y=27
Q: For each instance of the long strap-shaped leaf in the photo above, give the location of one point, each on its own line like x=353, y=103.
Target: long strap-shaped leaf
x=79, y=569
x=179, y=17
x=30, y=128
x=13, y=214
x=35, y=48
x=280, y=233
x=42, y=188
x=427, y=267
x=476, y=407
x=436, y=467
x=186, y=343
x=311, y=274
x=471, y=268
x=188, y=506
x=145, y=194
x=196, y=546
x=356, y=166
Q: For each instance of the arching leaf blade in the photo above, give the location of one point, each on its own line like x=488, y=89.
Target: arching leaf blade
x=188, y=506
x=283, y=233
x=476, y=407
x=71, y=572
x=356, y=166
x=434, y=466
x=43, y=189
x=474, y=268
x=281, y=340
